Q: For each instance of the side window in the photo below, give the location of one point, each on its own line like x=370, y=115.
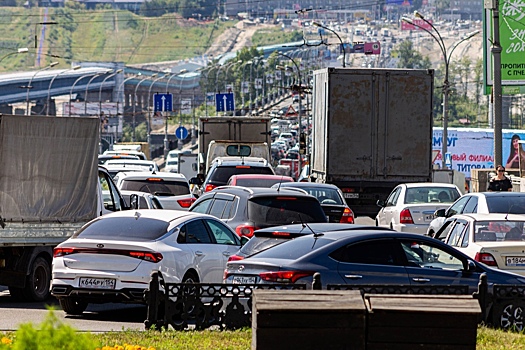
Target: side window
x=203, y=206
x=457, y=207
x=229, y=211
x=222, y=234
x=377, y=252
x=464, y=242
x=110, y=193
x=391, y=200
x=427, y=255
x=194, y=232
x=219, y=206
x=471, y=206
x=454, y=237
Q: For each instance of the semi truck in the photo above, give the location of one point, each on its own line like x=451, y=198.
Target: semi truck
x=50, y=185
x=372, y=130
x=217, y=135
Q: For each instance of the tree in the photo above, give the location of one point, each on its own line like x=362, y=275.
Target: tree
x=410, y=58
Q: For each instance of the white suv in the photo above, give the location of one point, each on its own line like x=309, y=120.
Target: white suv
x=171, y=189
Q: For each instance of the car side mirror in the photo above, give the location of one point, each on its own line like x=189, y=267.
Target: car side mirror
x=440, y=213
x=470, y=266
x=244, y=240
x=133, y=201
x=380, y=203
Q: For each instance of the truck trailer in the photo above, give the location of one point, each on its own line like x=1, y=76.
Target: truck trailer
x=372, y=130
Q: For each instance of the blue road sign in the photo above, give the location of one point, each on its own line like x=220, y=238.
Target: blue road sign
x=163, y=102
x=224, y=102
x=181, y=133
x=448, y=159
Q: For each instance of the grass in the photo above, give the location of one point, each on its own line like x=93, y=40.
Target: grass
x=275, y=35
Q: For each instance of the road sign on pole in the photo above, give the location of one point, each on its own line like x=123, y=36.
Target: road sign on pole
x=181, y=133
x=224, y=102
x=163, y=102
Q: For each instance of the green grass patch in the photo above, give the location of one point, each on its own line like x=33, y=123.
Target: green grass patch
x=277, y=35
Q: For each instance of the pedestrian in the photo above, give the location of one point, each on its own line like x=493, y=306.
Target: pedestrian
x=500, y=182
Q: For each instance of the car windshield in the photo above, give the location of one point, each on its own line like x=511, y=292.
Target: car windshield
x=254, y=182
x=156, y=186
x=415, y=195
x=324, y=195
x=124, y=229
x=502, y=230
x=506, y=204
x=222, y=174
x=257, y=244
x=295, y=248
x=281, y=210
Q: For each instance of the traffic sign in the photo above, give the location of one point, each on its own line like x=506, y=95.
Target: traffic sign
x=224, y=102
x=181, y=133
x=163, y=102
x=448, y=159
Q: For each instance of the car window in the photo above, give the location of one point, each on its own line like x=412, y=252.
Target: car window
x=124, y=228
x=457, y=207
x=157, y=186
x=222, y=234
x=325, y=195
x=223, y=173
x=428, y=255
x=220, y=206
x=445, y=229
x=280, y=210
x=257, y=244
x=464, y=241
x=506, y=204
x=202, y=207
x=471, y=206
x=194, y=232
x=294, y=248
x=454, y=237
x=376, y=252
x=110, y=193
x=391, y=200
x=430, y=194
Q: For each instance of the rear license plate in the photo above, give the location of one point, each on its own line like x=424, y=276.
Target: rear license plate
x=515, y=261
x=243, y=280
x=351, y=195
x=97, y=283
x=429, y=217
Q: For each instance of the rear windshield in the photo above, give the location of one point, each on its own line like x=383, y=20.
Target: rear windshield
x=282, y=210
x=324, y=195
x=506, y=204
x=295, y=248
x=223, y=173
x=157, y=187
x=127, y=228
x=257, y=244
x=431, y=195
x=259, y=182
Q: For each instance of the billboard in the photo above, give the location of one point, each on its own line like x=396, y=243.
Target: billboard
x=419, y=24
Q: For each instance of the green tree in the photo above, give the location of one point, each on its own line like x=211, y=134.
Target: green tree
x=410, y=58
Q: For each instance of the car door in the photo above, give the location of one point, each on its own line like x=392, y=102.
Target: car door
x=226, y=241
x=430, y=263
x=375, y=261
x=387, y=213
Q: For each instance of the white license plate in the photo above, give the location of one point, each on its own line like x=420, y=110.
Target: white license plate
x=515, y=261
x=97, y=283
x=351, y=195
x=243, y=280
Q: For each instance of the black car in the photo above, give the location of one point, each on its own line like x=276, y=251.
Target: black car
x=249, y=209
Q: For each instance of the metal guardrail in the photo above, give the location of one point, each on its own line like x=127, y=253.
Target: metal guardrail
x=228, y=306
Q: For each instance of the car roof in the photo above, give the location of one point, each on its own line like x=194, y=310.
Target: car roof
x=251, y=161
x=318, y=227
x=499, y=194
x=490, y=216
x=130, y=161
x=257, y=191
x=429, y=184
x=260, y=176
x=309, y=185
x=140, y=175
x=166, y=215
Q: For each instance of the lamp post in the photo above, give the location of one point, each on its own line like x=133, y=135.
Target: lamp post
x=73, y=86
x=299, y=114
x=135, y=102
x=150, y=114
x=51, y=83
x=51, y=65
x=20, y=50
x=242, y=83
x=166, y=143
x=257, y=78
x=87, y=86
x=100, y=90
x=338, y=37
x=120, y=89
x=446, y=85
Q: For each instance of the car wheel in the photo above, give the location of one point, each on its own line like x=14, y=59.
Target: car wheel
x=512, y=318
x=190, y=277
x=72, y=306
x=39, y=281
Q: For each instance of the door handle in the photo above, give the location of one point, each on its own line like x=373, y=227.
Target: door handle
x=422, y=280
x=226, y=253
x=199, y=253
x=353, y=277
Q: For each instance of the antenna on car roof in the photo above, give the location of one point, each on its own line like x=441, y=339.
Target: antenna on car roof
x=280, y=182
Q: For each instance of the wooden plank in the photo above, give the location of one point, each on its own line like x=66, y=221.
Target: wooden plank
x=463, y=335
x=423, y=303
x=420, y=320
x=404, y=346
x=310, y=319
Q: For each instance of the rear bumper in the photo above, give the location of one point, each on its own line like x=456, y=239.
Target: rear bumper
x=127, y=295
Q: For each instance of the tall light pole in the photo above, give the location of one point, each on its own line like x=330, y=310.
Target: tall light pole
x=87, y=87
x=100, y=90
x=133, y=138
x=51, y=65
x=446, y=85
x=242, y=83
x=338, y=37
x=121, y=89
x=299, y=114
x=51, y=83
x=20, y=50
x=150, y=113
x=166, y=143
x=73, y=86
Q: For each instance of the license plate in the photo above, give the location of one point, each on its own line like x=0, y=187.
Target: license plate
x=97, y=283
x=429, y=217
x=515, y=261
x=243, y=280
x=351, y=195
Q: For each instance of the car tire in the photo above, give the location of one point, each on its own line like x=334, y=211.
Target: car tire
x=38, y=282
x=72, y=306
x=190, y=277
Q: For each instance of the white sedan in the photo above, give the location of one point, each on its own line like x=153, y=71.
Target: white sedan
x=493, y=239
x=111, y=258
x=410, y=207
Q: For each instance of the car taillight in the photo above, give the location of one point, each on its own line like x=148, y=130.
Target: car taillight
x=285, y=276
x=280, y=234
x=58, y=252
x=486, y=258
x=137, y=254
x=209, y=187
x=187, y=202
x=245, y=230
x=405, y=217
x=347, y=217
x=235, y=258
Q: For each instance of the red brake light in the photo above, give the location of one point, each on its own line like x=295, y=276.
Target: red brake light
x=347, y=217
x=147, y=256
x=486, y=258
x=286, y=198
x=245, y=230
x=186, y=203
x=405, y=217
x=209, y=187
x=242, y=167
x=281, y=234
x=154, y=179
x=57, y=252
x=285, y=276
x=235, y=258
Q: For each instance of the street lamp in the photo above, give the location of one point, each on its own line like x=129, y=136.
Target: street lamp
x=446, y=85
x=135, y=101
x=51, y=83
x=20, y=50
x=147, y=109
x=87, y=87
x=73, y=86
x=51, y=65
x=166, y=143
x=242, y=84
x=338, y=37
x=299, y=114
x=100, y=90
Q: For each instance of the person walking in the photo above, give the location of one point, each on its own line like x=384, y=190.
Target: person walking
x=500, y=182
